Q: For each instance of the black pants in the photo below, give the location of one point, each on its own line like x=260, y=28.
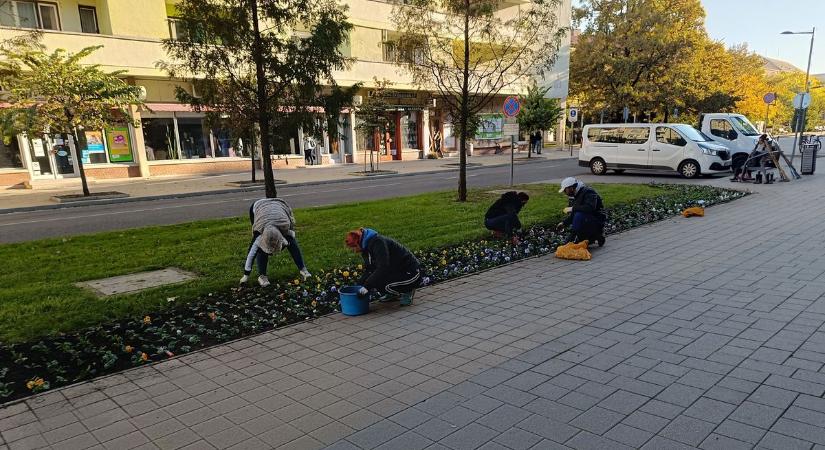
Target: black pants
x=504, y=223
x=309, y=156
x=401, y=282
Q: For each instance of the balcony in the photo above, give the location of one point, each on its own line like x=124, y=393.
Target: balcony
x=137, y=56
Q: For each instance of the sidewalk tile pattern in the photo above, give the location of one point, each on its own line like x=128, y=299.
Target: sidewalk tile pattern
x=703, y=333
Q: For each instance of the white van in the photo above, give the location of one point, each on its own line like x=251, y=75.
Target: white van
x=734, y=131
x=651, y=146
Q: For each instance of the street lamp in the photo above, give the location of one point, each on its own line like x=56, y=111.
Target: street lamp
x=807, y=86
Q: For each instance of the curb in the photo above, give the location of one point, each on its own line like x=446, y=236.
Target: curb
x=350, y=179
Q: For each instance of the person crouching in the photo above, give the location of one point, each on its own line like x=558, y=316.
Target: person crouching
x=389, y=267
x=502, y=216
x=585, y=213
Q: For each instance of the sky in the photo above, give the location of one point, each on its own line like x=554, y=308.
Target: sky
x=759, y=22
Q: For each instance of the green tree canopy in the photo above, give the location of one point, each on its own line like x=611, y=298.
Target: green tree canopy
x=469, y=51
x=54, y=92
x=261, y=62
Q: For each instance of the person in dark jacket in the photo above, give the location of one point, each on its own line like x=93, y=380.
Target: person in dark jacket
x=585, y=212
x=502, y=216
x=390, y=268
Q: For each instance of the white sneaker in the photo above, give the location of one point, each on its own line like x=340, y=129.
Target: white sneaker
x=244, y=279
x=263, y=281
x=305, y=273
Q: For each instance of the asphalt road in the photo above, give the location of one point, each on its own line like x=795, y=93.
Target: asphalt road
x=25, y=226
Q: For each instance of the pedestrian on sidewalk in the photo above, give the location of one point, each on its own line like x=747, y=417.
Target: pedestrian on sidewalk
x=390, y=268
x=273, y=228
x=309, y=150
x=585, y=213
x=536, y=141
x=502, y=216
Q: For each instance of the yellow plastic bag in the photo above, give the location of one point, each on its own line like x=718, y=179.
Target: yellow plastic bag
x=574, y=251
x=697, y=211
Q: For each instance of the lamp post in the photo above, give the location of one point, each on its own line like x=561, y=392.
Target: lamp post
x=807, y=86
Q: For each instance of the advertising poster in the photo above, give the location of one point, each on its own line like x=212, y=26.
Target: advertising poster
x=490, y=126
x=120, y=145
x=94, y=146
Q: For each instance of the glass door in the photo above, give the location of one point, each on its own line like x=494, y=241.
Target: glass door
x=41, y=163
x=63, y=156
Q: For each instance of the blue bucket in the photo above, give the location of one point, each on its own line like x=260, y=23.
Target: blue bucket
x=351, y=304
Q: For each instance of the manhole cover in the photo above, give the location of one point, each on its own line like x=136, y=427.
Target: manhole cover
x=137, y=281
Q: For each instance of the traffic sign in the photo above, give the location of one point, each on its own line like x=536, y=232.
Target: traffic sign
x=573, y=115
x=802, y=100
x=769, y=98
x=512, y=106
x=625, y=113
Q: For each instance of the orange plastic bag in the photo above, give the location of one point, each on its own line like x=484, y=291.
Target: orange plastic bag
x=697, y=211
x=574, y=251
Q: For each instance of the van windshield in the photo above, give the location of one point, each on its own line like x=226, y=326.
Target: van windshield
x=744, y=126
x=692, y=133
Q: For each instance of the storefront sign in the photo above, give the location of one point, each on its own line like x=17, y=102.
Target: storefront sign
x=94, y=145
x=120, y=145
x=490, y=126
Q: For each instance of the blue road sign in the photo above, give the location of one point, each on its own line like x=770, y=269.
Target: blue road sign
x=512, y=106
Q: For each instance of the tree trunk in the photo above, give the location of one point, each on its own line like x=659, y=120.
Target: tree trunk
x=264, y=118
x=465, y=108
x=252, y=155
x=78, y=152
x=83, y=182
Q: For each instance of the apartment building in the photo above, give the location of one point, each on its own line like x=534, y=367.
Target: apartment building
x=172, y=139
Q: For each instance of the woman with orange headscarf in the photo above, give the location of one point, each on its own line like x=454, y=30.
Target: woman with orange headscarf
x=390, y=268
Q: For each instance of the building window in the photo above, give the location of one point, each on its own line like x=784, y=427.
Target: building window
x=88, y=19
x=30, y=14
x=389, y=48
x=176, y=29
x=10, y=153
x=194, y=138
x=409, y=130
x=159, y=139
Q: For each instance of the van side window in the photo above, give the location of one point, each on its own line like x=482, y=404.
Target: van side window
x=636, y=135
x=606, y=135
x=667, y=135
x=723, y=129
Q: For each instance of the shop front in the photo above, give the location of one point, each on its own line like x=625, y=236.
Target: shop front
x=407, y=133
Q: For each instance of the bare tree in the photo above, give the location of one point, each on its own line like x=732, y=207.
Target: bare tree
x=469, y=51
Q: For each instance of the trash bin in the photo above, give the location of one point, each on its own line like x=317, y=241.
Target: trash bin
x=808, y=159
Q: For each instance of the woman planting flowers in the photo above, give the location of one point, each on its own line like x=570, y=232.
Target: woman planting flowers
x=391, y=269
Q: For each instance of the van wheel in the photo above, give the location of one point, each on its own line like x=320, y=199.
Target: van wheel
x=598, y=166
x=618, y=171
x=689, y=169
x=738, y=160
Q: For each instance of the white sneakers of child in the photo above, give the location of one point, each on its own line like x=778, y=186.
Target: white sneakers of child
x=305, y=273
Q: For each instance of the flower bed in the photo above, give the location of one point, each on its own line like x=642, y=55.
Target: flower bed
x=55, y=361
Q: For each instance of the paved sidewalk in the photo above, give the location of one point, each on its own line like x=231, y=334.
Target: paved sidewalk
x=703, y=332
x=173, y=185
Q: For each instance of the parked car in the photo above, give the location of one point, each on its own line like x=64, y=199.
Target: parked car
x=651, y=146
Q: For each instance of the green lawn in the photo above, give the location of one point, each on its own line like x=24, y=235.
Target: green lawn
x=38, y=294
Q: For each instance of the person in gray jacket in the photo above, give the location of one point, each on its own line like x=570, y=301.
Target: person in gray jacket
x=273, y=228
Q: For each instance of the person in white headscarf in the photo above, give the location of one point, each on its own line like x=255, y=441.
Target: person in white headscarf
x=585, y=213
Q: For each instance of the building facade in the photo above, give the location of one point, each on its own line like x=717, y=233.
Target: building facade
x=172, y=139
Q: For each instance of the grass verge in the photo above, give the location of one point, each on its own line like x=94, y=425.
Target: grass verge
x=39, y=296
